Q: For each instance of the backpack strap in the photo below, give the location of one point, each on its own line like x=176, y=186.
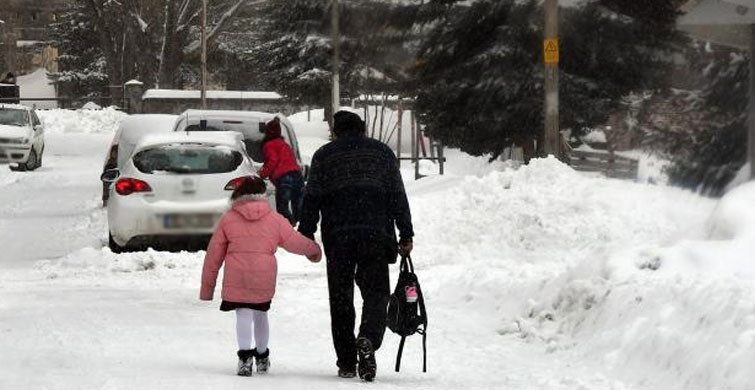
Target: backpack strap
x=406, y=264
x=424, y=351
x=400, y=352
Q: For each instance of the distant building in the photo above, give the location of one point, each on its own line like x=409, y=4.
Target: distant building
x=24, y=33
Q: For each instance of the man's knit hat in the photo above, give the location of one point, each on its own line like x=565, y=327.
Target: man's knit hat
x=345, y=122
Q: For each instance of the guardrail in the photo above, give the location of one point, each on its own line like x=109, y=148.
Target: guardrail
x=602, y=161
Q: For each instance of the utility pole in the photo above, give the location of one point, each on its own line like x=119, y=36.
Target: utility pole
x=203, y=76
x=551, y=58
x=335, y=38
x=751, y=136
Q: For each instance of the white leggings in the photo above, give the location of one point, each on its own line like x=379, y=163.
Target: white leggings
x=245, y=318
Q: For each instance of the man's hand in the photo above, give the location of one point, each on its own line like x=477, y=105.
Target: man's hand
x=405, y=247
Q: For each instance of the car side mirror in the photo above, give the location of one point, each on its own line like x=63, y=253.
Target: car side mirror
x=110, y=175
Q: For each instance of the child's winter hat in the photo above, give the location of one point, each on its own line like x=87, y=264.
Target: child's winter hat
x=273, y=128
x=250, y=187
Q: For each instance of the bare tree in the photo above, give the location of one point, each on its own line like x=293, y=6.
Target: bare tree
x=152, y=39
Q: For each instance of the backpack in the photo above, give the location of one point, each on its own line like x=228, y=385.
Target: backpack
x=406, y=310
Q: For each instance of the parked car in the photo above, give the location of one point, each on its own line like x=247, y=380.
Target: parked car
x=22, y=139
x=250, y=124
x=130, y=131
x=174, y=188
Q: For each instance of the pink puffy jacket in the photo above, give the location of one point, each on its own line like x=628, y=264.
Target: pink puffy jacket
x=247, y=238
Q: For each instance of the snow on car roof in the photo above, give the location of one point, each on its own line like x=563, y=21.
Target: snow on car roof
x=227, y=138
x=134, y=127
x=225, y=114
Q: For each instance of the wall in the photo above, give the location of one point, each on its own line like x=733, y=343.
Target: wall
x=28, y=21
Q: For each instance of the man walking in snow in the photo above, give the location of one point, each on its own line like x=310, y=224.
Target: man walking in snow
x=356, y=185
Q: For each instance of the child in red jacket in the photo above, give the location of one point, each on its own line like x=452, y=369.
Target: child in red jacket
x=283, y=171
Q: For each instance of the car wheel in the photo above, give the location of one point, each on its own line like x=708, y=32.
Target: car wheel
x=33, y=162
x=114, y=247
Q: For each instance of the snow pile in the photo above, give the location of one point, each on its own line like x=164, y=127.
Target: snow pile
x=599, y=270
x=61, y=121
x=594, y=136
x=546, y=209
x=680, y=316
x=150, y=268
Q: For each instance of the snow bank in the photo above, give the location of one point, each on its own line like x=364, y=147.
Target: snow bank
x=679, y=315
x=639, y=279
x=139, y=269
x=61, y=121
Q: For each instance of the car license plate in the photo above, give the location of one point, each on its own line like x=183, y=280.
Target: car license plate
x=183, y=221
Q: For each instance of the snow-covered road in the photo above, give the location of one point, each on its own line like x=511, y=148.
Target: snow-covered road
x=51, y=212
x=519, y=268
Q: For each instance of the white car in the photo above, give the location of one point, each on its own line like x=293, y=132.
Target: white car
x=173, y=189
x=22, y=138
x=130, y=131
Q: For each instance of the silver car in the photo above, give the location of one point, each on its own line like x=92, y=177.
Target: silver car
x=249, y=123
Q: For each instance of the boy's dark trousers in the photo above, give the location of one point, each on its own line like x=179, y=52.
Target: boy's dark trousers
x=354, y=259
x=289, y=195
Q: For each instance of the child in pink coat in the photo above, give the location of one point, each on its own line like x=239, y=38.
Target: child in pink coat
x=246, y=239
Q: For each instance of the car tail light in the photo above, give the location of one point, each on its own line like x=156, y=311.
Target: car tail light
x=235, y=183
x=128, y=186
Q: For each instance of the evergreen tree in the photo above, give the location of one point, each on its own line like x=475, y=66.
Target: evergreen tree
x=295, y=53
x=708, y=157
x=480, y=72
x=82, y=70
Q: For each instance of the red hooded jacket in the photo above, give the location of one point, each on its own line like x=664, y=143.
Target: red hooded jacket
x=279, y=158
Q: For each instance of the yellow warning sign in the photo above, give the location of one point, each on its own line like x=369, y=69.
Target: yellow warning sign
x=550, y=51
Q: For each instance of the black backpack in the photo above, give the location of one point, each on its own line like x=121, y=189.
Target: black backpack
x=407, y=316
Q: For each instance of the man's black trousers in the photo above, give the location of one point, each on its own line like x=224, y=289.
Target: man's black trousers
x=365, y=262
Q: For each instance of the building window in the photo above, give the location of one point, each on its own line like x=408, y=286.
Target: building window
x=34, y=15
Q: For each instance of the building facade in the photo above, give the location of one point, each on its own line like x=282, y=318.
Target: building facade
x=24, y=32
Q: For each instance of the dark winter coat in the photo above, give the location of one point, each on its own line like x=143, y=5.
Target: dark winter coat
x=356, y=185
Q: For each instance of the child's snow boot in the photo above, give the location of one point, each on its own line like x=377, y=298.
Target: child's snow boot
x=263, y=361
x=367, y=363
x=246, y=358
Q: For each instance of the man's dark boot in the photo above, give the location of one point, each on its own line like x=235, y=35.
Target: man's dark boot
x=367, y=362
x=347, y=373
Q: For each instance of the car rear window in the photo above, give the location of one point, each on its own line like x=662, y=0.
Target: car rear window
x=187, y=159
x=250, y=128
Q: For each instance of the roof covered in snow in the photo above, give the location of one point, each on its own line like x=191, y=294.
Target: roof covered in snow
x=230, y=95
